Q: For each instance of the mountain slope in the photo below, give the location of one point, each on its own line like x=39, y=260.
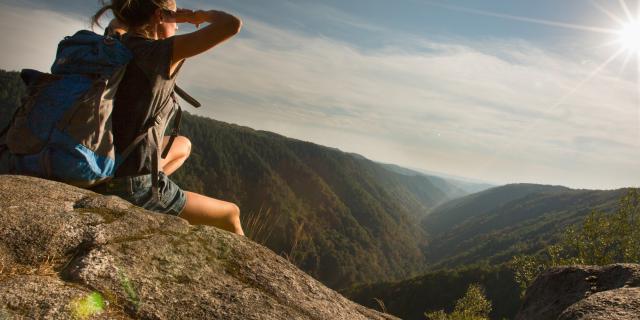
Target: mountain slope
x=340, y=218
x=451, y=213
x=495, y=224
x=473, y=237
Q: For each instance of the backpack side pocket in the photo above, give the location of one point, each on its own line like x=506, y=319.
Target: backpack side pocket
x=20, y=138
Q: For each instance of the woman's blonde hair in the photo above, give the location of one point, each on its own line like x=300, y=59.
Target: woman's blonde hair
x=133, y=13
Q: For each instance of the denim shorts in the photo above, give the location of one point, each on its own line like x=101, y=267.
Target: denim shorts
x=137, y=190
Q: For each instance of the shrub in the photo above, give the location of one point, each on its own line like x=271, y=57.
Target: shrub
x=472, y=306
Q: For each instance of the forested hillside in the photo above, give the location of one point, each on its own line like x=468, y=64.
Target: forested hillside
x=496, y=224
x=473, y=239
x=338, y=216
x=342, y=219
x=410, y=299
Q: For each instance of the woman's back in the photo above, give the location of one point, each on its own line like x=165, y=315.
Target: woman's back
x=146, y=90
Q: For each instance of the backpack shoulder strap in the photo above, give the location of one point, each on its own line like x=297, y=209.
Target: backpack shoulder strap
x=178, y=117
x=174, y=132
x=184, y=95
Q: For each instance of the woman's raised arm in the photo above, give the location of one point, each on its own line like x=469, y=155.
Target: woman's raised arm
x=222, y=26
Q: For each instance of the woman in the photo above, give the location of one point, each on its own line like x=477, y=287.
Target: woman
x=147, y=85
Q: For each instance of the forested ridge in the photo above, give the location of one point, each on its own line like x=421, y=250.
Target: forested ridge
x=342, y=219
x=474, y=239
x=494, y=225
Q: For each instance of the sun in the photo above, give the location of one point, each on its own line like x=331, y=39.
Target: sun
x=629, y=36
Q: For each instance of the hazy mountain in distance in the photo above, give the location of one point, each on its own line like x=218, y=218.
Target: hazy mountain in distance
x=454, y=187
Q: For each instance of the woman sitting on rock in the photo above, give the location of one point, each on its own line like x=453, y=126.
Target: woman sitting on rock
x=147, y=85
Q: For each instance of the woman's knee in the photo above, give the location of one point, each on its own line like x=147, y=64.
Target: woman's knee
x=185, y=146
x=234, y=212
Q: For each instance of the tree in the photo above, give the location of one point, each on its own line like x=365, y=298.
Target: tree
x=601, y=240
x=474, y=305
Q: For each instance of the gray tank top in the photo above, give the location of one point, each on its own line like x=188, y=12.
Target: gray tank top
x=145, y=90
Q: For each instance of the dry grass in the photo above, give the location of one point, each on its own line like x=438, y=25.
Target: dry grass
x=259, y=226
x=383, y=308
x=45, y=268
x=299, y=236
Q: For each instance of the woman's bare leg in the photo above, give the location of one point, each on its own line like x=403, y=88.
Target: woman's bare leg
x=180, y=151
x=212, y=212
x=200, y=209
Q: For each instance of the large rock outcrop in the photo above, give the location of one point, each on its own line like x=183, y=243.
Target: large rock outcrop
x=584, y=293
x=70, y=253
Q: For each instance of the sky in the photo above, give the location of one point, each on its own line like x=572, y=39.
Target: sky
x=502, y=91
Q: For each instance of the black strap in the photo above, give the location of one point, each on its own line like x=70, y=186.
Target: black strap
x=176, y=128
x=134, y=143
x=186, y=97
x=155, y=166
x=178, y=117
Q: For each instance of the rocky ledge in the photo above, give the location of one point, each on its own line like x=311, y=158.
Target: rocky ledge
x=584, y=293
x=70, y=253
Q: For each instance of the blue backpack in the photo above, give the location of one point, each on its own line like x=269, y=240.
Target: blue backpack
x=63, y=129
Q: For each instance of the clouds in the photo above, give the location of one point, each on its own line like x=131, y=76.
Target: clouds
x=485, y=109
x=30, y=36
x=488, y=110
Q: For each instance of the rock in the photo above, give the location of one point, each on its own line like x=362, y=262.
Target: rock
x=583, y=292
x=614, y=304
x=63, y=250
x=45, y=297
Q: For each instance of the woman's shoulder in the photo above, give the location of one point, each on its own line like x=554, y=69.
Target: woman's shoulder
x=152, y=56
x=138, y=43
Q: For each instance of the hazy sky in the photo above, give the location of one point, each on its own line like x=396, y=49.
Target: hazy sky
x=495, y=90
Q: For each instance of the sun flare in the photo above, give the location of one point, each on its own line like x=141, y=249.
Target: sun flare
x=629, y=36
